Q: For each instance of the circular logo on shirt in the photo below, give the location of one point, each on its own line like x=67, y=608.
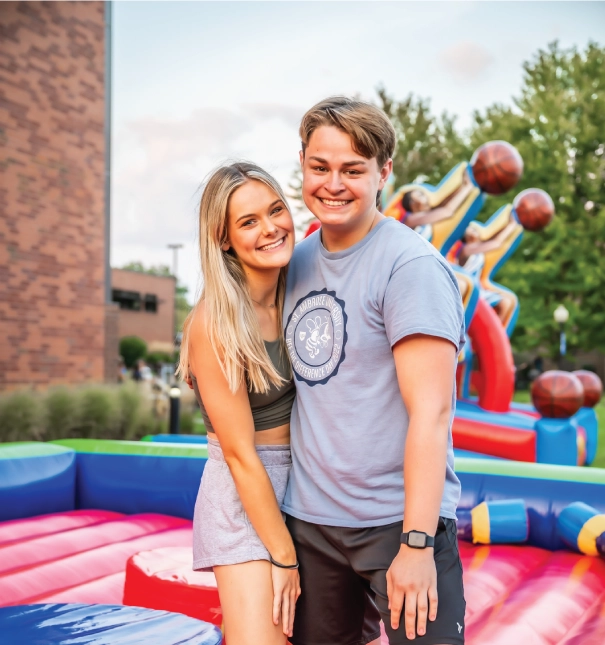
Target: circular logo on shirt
x=316, y=335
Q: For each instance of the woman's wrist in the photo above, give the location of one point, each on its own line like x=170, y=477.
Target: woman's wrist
x=286, y=557
x=283, y=565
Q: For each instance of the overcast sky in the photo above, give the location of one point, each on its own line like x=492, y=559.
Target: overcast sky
x=197, y=83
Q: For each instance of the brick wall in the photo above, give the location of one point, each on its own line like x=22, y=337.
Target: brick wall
x=154, y=328
x=52, y=298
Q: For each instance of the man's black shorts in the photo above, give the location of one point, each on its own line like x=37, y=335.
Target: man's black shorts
x=344, y=588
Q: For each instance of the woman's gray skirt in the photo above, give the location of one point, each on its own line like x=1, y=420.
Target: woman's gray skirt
x=222, y=533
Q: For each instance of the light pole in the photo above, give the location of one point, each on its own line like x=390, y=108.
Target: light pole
x=561, y=316
x=175, y=250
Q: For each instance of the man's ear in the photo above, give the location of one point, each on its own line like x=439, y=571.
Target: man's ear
x=385, y=171
x=301, y=157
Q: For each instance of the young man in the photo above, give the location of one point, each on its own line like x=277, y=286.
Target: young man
x=373, y=323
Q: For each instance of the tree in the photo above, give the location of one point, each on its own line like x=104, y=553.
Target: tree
x=159, y=270
x=132, y=348
x=558, y=126
x=427, y=147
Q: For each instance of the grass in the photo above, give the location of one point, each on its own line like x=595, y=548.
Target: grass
x=599, y=461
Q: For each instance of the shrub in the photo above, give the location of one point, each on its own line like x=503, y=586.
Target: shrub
x=99, y=411
x=98, y=414
x=21, y=418
x=155, y=359
x=130, y=409
x=132, y=348
x=60, y=414
x=186, y=422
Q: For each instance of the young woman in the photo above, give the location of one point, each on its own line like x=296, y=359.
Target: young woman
x=233, y=352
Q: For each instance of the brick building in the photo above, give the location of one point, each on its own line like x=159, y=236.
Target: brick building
x=56, y=323
x=146, y=304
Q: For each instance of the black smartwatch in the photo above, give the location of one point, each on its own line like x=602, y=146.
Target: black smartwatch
x=417, y=540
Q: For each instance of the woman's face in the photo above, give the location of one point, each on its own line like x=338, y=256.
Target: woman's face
x=420, y=202
x=260, y=229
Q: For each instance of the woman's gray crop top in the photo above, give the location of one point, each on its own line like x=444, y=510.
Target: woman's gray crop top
x=273, y=408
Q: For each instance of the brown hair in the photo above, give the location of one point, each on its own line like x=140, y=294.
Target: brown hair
x=372, y=134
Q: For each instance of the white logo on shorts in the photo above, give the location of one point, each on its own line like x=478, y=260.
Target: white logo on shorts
x=459, y=627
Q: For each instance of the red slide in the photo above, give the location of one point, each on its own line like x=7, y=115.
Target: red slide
x=492, y=348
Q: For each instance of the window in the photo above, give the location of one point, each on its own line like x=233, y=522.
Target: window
x=127, y=299
x=151, y=303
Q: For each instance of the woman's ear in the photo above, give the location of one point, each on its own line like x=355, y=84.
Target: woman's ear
x=225, y=246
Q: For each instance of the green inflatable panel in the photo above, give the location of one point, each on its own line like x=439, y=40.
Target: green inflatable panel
x=114, y=447
x=506, y=468
x=21, y=449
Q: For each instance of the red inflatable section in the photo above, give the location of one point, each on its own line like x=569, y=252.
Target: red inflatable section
x=507, y=443
x=84, y=559
x=313, y=226
x=164, y=579
x=31, y=527
x=492, y=347
x=524, y=595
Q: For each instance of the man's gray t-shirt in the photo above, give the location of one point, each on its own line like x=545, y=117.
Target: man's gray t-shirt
x=343, y=313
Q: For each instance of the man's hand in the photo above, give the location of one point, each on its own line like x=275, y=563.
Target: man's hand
x=412, y=581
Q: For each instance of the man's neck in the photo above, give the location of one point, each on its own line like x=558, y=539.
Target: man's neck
x=337, y=238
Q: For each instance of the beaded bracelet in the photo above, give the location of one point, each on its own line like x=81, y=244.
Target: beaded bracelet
x=282, y=566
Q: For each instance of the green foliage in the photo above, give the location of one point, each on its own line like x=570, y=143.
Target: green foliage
x=155, y=359
x=599, y=461
x=186, y=422
x=102, y=412
x=132, y=348
x=97, y=414
x=558, y=125
x=129, y=410
x=61, y=414
x=427, y=146
x=21, y=417
x=160, y=269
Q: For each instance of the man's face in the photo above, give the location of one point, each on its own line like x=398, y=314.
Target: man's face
x=339, y=185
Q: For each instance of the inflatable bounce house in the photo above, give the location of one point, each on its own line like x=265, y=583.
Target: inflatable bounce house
x=95, y=539
x=561, y=426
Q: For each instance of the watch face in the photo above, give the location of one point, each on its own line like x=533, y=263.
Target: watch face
x=416, y=540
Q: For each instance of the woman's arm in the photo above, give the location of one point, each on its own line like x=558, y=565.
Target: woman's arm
x=232, y=421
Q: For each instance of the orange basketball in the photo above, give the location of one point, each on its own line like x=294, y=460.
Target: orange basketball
x=497, y=167
x=535, y=209
x=593, y=387
x=557, y=394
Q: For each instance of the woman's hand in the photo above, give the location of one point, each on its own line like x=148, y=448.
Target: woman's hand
x=286, y=590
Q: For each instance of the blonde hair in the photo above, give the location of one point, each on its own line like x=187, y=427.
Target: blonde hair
x=371, y=132
x=231, y=322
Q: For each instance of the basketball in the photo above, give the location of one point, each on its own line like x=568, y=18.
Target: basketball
x=497, y=167
x=534, y=208
x=557, y=394
x=593, y=387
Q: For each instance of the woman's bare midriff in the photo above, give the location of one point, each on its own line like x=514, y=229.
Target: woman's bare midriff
x=279, y=436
